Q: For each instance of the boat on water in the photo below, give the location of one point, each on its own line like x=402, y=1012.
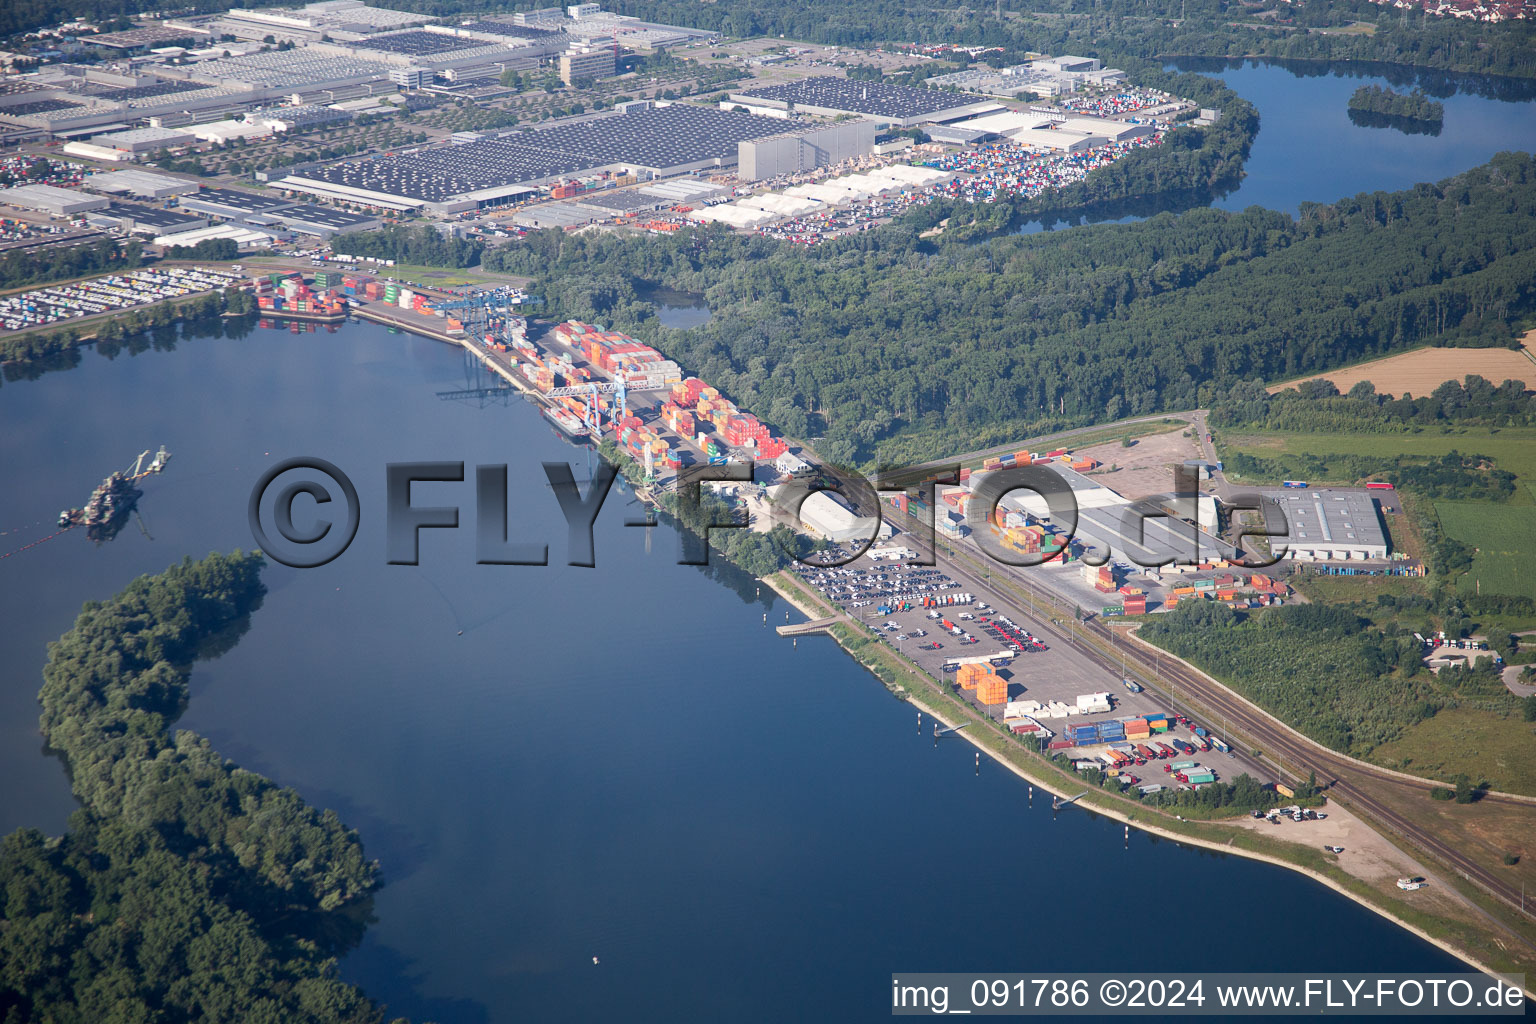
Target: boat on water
x=566, y=421
x=114, y=499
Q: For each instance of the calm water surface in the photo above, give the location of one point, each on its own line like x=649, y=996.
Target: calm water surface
x=1308, y=150
x=623, y=761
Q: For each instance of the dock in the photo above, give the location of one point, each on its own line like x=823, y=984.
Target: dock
x=809, y=628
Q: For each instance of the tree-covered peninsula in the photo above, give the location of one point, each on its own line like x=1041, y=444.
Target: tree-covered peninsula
x=186, y=888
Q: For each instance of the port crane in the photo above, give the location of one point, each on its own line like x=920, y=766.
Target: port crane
x=618, y=386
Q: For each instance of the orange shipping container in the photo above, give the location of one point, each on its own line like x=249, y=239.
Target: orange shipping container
x=992, y=690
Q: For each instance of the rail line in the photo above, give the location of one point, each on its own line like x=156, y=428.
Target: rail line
x=1346, y=777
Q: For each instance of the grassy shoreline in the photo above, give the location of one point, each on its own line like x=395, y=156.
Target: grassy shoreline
x=908, y=682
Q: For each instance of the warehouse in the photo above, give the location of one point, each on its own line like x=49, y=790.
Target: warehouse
x=323, y=221
x=144, y=140
x=232, y=205
x=1056, y=139
x=1329, y=525
x=896, y=105
x=804, y=149
x=87, y=151
x=245, y=238
x=144, y=220
x=340, y=19
x=824, y=516
x=655, y=141
x=223, y=132
x=297, y=118
x=144, y=184
x=57, y=202
x=306, y=70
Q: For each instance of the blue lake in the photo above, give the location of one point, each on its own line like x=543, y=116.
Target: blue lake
x=623, y=762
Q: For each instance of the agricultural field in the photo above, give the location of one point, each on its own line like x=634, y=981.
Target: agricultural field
x=1505, y=539
x=1471, y=742
x=1421, y=371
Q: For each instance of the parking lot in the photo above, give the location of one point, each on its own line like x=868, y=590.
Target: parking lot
x=108, y=294
x=1038, y=661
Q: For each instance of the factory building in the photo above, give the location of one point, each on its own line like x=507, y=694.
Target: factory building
x=323, y=221
x=1056, y=139
x=649, y=142
x=1326, y=525
x=245, y=238
x=56, y=202
x=144, y=140
x=90, y=151
x=297, y=118
x=803, y=149
x=143, y=184
x=587, y=62
x=143, y=220
x=228, y=204
x=827, y=518
x=898, y=106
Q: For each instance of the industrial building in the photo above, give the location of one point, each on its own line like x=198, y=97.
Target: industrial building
x=827, y=518
x=1327, y=525
x=54, y=201
x=588, y=62
x=323, y=221
x=143, y=220
x=1146, y=532
x=339, y=19
x=144, y=184
x=245, y=238
x=895, y=105
x=1044, y=78
x=144, y=140
x=804, y=149
x=231, y=205
x=653, y=141
x=223, y=132
x=297, y=118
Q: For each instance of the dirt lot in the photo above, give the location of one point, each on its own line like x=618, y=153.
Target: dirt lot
x=1146, y=468
x=1366, y=855
x=1421, y=371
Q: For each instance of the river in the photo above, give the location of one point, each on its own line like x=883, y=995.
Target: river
x=559, y=763
x=1308, y=150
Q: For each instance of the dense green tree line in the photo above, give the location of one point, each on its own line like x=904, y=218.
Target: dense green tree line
x=891, y=345
x=45, y=264
x=186, y=889
x=224, y=250
x=421, y=244
x=1316, y=406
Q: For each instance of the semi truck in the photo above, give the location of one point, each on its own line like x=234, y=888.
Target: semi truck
x=1220, y=745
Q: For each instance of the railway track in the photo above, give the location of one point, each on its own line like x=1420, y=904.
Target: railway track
x=1347, y=779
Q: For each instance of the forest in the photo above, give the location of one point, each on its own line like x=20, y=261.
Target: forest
x=186, y=888
x=886, y=344
x=1326, y=670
